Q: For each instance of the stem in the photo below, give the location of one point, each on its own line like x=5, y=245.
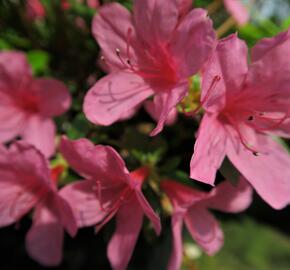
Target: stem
x=214, y=6
x=226, y=26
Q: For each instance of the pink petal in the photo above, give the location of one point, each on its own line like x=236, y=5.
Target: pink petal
x=263, y=75
x=113, y=96
x=40, y=132
x=110, y=28
x=154, y=109
x=27, y=160
x=99, y=162
x=54, y=97
x=192, y=42
x=228, y=198
x=175, y=260
x=155, y=20
x=45, y=238
x=12, y=121
x=24, y=179
x=149, y=212
x=82, y=197
x=268, y=173
x=268, y=45
x=15, y=201
x=224, y=73
x=181, y=196
x=184, y=7
x=204, y=229
x=209, y=150
x=121, y=246
x=168, y=102
x=238, y=11
x=66, y=215
x=14, y=68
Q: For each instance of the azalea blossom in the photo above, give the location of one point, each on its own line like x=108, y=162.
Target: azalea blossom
x=108, y=190
x=35, y=9
x=191, y=207
x=245, y=104
x=152, y=52
x=238, y=10
x=27, y=105
x=93, y=3
x=26, y=183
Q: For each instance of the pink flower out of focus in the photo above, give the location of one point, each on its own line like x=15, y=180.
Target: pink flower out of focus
x=25, y=183
x=27, y=105
x=34, y=9
x=245, y=105
x=150, y=53
x=191, y=207
x=109, y=190
x=238, y=10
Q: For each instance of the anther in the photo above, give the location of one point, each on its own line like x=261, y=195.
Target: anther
x=255, y=154
x=118, y=51
x=251, y=118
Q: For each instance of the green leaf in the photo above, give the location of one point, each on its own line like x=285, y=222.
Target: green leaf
x=249, y=245
x=39, y=61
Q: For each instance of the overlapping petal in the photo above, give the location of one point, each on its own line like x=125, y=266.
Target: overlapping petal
x=113, y=96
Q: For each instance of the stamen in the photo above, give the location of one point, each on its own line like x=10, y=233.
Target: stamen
x=272, y=125
x=213, y=84
x=244, y=143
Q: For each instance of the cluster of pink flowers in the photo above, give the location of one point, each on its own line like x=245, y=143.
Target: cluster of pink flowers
x=149, y=56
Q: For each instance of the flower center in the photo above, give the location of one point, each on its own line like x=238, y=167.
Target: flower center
x=154, y=64
x=28, y=102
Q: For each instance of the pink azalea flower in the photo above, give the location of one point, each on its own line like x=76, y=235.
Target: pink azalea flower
x=245, y=104
x=93, y=3
x=109, y=190
x=34, y=9
x=238, y=10
x=27, y=105
x=191, y=207
x=151, y=53
x=25, y=183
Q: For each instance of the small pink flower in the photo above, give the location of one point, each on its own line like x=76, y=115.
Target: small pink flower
x=109, y=190
x=245, y=104
x=238, y=10
x=93, y=3
x=191, y=207
x=27, y=105
x=151, y=53
x=25, y=183
x=35, y=9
